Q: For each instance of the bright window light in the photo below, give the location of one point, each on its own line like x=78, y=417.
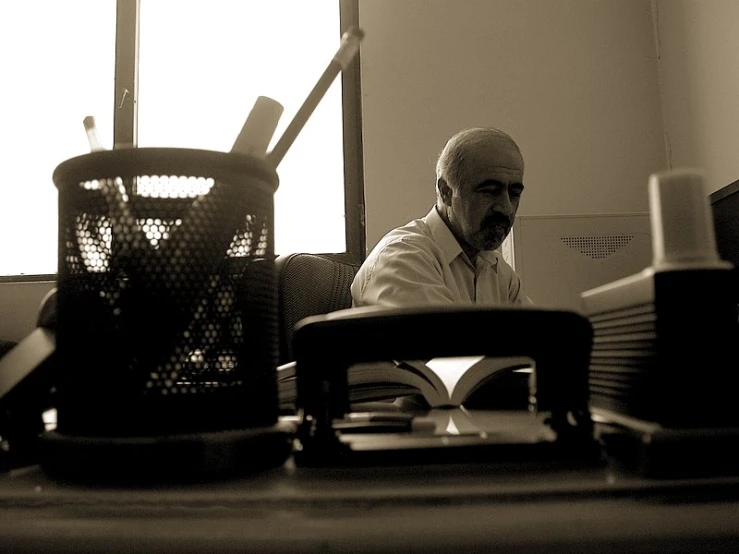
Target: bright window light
x=58, y=67
x=202, y=66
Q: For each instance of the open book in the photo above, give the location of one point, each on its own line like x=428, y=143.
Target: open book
x=443, y=382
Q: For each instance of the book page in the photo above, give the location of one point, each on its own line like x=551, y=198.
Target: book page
x=286, y=371
x=450, y=370
x=451, y=421
x=461, y=375
x=393, y=380
x=374, y=381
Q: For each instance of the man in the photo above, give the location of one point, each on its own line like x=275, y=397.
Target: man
x=449, y=256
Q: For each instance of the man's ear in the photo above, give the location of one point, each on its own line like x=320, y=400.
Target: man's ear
x=444, y=191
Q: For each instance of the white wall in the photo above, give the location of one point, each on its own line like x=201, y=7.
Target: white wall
x=699, y=71
x=574, y=81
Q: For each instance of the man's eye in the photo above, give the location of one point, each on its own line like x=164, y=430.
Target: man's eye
x=492, y=189
x=515, y=192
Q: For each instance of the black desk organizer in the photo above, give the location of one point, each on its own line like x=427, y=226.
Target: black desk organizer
x=558, y=341
x=662, y=373
x=166, y=335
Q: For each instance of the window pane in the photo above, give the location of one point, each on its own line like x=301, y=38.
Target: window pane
x=58, y=67
x=202, y=64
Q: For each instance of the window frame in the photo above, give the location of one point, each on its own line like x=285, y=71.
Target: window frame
x=125, y=122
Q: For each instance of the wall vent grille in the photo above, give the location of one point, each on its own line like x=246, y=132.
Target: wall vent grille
x=597, y=247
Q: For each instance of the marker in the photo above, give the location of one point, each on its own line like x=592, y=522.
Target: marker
x=346, y=52
x=258, y=128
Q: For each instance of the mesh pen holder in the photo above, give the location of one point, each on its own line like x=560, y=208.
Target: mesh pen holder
x=167, y=316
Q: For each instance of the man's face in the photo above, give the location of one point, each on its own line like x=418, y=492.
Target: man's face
x=484, y=204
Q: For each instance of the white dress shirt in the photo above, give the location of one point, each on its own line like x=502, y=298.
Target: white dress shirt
x=421, y=263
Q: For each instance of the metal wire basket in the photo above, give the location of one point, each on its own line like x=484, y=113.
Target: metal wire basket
x=167, y=298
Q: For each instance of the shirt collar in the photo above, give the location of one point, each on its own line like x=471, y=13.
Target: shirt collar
x=445, y=239
x=490, y=257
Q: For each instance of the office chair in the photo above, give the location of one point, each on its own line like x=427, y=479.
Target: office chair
x=6, y=346
x=309, y=284
x=26, y=389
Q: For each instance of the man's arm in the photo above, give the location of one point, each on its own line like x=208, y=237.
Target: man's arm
x=517, y=294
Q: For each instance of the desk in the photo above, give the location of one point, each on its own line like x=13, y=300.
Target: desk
x=426, y=508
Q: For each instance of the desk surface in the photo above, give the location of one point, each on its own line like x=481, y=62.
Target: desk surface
x=483, y=507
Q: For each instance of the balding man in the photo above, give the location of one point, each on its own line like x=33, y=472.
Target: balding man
x=449, y=256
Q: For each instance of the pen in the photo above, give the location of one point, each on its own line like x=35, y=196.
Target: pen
x=346, y=52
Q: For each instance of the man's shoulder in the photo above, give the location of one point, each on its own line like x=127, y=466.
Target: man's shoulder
x=415, y=229
x=414, y=235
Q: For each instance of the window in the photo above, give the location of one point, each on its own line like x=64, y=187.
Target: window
x=201, y=66
x=58, y=66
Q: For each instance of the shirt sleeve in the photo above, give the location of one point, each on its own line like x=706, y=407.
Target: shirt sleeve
x=516, y=292
x=403, y=273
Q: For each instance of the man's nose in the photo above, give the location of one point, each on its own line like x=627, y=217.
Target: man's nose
x=503, y=204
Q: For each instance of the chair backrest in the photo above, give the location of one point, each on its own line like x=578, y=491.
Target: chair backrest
x=310, y=284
